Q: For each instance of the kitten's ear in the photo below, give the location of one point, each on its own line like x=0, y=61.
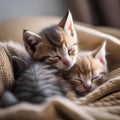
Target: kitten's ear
x=67, y=24
x=31, y=40
x=18, y=65
x=100, y=53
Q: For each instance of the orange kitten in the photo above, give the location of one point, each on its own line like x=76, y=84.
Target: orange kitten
x=56, y=45
x=89, y=72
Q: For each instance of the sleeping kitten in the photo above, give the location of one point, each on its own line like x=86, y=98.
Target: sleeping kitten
x=34, y=83
x=56, y=45
x=89, y=72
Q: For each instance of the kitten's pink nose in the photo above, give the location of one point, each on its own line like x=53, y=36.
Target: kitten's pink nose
x=87, y=87
x=67, y=63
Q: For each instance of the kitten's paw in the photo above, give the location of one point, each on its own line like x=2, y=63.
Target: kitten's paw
x=8, y=99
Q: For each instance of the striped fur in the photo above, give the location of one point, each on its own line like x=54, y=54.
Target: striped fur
x=35, y=83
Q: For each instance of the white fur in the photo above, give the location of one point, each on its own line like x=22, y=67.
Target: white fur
x=102, y=51
x=32, y=33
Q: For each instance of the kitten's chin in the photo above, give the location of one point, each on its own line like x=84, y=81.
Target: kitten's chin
x=83, y=91
x=67, y=68
x=64, y=68
x=70, y=66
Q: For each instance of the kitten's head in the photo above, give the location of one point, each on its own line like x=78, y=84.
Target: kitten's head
x=90, y=70
x=56, y=45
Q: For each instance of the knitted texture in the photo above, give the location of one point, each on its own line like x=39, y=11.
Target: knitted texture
x=8, y=49
x=6, y=73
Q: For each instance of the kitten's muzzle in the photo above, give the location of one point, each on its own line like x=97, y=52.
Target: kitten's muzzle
x=88, y=87
x=66, y=63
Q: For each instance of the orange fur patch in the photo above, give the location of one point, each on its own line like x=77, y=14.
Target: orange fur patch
x=71, y=29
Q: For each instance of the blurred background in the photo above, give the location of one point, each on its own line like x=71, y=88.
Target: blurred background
x=95, y=12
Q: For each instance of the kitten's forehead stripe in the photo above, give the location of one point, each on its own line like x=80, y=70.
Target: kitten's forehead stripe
x=53, y=36
x=91, y=65
x=84, y=65
x=57, y=37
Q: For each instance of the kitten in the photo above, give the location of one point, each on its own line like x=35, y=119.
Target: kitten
x=34, y=83
x=89, y=71
x=56, y=45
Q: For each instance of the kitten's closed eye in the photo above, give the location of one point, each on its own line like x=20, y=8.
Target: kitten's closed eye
x=99, y=79
x=54, y=59
x=96, y=77
x=71, y=51
x=75, y=81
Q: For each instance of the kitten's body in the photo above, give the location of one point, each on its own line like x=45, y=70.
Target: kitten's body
x=34, y=83
x=37, y=83
x=89, y=71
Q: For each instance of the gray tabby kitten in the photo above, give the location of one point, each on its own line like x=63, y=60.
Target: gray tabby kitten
x=34, y=83
x=56, y=45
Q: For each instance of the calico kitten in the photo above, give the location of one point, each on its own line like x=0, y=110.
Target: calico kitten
x=56, y=45
x=89, y=71
x=34, y=83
